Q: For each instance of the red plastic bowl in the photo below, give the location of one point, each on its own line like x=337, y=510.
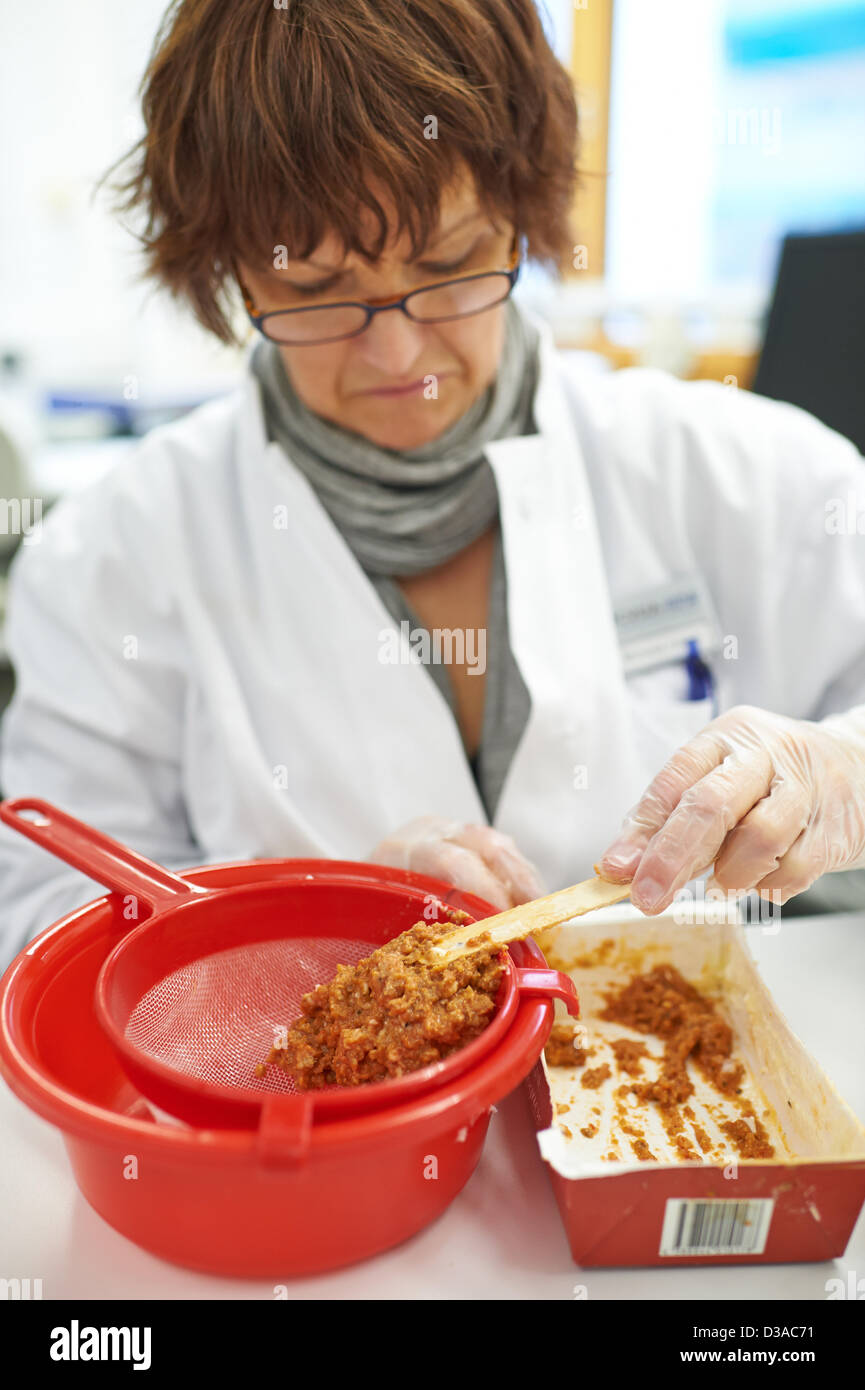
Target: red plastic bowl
x=258, y=1204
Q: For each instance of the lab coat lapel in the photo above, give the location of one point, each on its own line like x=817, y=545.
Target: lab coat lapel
x=406, y=756
x=574, y=773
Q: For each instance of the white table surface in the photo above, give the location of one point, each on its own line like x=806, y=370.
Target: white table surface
x=501, y=1238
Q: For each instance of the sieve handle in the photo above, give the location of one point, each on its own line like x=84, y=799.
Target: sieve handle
x=550, y=983
x=284, y=1131
x=95, y=854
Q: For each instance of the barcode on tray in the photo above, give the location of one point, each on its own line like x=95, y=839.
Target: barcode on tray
x=721, y=1226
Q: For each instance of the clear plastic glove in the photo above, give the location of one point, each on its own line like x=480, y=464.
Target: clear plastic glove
x=772, y=802
x=475, y=858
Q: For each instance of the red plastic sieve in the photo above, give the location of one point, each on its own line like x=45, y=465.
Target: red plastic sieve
x=192, y=995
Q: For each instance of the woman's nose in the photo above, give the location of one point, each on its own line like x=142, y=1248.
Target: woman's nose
x=392, y=343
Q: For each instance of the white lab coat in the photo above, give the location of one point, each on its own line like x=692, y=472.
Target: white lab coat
x=197, y=650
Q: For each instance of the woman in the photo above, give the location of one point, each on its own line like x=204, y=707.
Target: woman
x=414, y=589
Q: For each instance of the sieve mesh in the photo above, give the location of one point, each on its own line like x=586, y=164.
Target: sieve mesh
x=217, y=1017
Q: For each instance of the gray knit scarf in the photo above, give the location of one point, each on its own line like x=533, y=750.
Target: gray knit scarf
x=405, y=511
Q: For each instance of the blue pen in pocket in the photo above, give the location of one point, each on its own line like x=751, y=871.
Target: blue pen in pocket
x=700, y=682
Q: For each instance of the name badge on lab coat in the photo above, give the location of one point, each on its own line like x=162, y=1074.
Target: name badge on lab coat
x=657, y=626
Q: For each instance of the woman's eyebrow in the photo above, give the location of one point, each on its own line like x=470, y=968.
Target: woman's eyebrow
x=434, y=241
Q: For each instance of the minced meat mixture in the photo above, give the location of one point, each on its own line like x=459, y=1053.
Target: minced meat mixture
x=595, y=1077
x=561, y=1049
x=394, y=1012
x=664, y=1003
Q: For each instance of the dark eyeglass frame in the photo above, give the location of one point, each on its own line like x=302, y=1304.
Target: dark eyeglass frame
x=380, y=306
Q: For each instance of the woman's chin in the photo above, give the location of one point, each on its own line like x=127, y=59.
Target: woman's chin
x=398, y=427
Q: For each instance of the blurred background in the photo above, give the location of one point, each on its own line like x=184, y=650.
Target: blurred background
x=720, y=222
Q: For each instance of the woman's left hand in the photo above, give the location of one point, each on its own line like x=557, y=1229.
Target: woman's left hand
x=772, y=802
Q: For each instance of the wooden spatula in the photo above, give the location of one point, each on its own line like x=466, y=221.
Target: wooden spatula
x=529, y=918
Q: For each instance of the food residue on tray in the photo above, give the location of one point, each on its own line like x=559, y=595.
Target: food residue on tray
x=629, y=1055
x=395, y=1011
x=660, y=1002
x=599, y=955
x=562, y=1049
x=595, y=1077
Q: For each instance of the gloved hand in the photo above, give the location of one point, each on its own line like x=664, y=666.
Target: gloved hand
x=772, y=802
x=475, y=858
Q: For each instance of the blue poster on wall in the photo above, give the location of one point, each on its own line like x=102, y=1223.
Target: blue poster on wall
x=789, y=129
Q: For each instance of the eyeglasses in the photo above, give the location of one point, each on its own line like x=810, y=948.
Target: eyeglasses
x=439, y=303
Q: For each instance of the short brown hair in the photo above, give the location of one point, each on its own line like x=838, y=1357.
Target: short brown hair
x=266, y=120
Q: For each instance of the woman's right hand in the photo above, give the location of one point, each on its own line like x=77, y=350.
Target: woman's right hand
x=475, y=858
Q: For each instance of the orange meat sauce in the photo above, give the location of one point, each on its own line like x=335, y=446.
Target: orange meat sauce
x=660, y=1002
x=394, y=1012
